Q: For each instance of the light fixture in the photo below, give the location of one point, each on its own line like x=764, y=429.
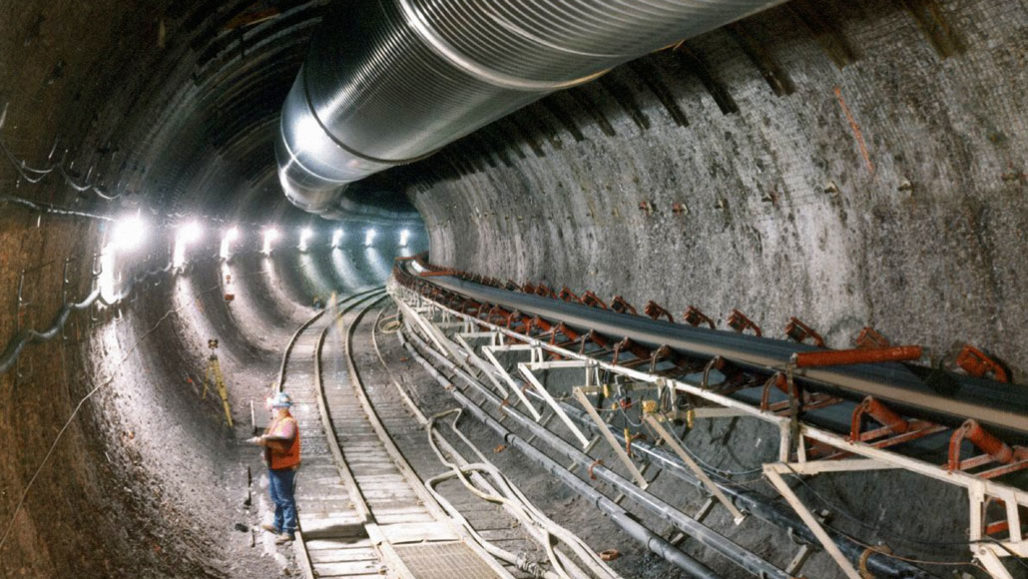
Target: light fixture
x=369, y=237
x=305, y=235
x=404, y=237
x=230, y=236
x=128, y=233
x=271, y=235
x=337, y=236
x=187, y=234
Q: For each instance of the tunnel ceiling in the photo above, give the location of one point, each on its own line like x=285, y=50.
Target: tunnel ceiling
x=176, y=105
x=882, y=136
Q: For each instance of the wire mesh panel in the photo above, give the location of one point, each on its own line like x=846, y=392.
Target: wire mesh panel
x=443, y=561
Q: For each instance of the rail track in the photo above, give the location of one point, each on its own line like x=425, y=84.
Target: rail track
x=563, y=367
x=364, y=510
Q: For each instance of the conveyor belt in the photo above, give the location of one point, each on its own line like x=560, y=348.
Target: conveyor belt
x=954, y=399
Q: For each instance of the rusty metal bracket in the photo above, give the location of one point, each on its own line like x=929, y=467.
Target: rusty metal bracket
x=593, y=300
x=621, y=306
x=740, y=323
x=799, y=332
x=694, y=317
x=977, y=363
x=870, y=339
x=1015, y=458
x=655, y=311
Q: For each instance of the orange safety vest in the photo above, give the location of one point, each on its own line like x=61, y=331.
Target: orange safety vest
x=290, y=457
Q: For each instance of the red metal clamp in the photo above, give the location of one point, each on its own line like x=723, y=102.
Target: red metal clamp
x=997, y=450
x=886, y=417
x=976, y=363
x=569, y=296
x=694, y=317
x=799, y=331
x=869, y=339
x=593, y=300
x=655, y=311
x=740, y=323
x=621, y=306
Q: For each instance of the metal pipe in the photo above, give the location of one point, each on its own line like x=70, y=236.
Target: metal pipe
x=618, y=515
x=390, y=82
x=698, y=531
x=755, y=504
x=821, y=358
x=746, y=499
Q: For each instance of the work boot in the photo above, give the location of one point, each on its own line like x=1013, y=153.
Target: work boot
x=284, y=538
x=270, y=528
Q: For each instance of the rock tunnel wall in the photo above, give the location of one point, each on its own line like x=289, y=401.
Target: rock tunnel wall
x=122, y=463
x=848, y=164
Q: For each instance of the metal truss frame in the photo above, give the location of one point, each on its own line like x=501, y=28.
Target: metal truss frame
x=793, y=456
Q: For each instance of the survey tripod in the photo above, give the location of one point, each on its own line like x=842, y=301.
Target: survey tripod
x=213, y=376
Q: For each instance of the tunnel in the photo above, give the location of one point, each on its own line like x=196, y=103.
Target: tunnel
x=461, y=206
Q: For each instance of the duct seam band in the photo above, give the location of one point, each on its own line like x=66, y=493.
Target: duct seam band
x=442, y=48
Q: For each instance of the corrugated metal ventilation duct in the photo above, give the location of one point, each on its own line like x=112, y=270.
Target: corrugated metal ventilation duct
x=388, y=82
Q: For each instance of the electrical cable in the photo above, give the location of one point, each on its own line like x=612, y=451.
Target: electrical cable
x=67, y=424
x=521, y=505
x=711, y=468
x=35, y=176
x=515, y=501
x=891, y=534
x=50, y=209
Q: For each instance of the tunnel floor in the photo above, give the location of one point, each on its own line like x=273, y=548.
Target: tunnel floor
x=260, y=557
x=237, y=503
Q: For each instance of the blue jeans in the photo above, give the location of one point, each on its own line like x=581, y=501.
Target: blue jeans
x=281, y=488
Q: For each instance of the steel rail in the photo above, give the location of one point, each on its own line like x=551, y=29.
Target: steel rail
x=399, y=461
x=351, y=301
x=307, y=324
x=621, y=517
x=699, y=532
x=475, y=474
x=996, y=404
x=877, y=458
x=748, y=500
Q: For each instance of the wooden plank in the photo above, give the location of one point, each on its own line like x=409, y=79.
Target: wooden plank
x=333, y=528
x=327, y=516
x=348, y=568
x=339, y=543
x=385, y=486
x=373, y=478
x=422, y=517
x=417, y=532
x=398, y=510
x=340, y=555
x=500, y=534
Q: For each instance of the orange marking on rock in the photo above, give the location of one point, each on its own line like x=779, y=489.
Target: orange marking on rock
x=856, y=131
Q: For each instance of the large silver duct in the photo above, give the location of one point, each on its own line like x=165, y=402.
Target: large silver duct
x=390, y=81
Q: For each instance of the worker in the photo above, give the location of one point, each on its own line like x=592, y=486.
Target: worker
x=281, y=442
